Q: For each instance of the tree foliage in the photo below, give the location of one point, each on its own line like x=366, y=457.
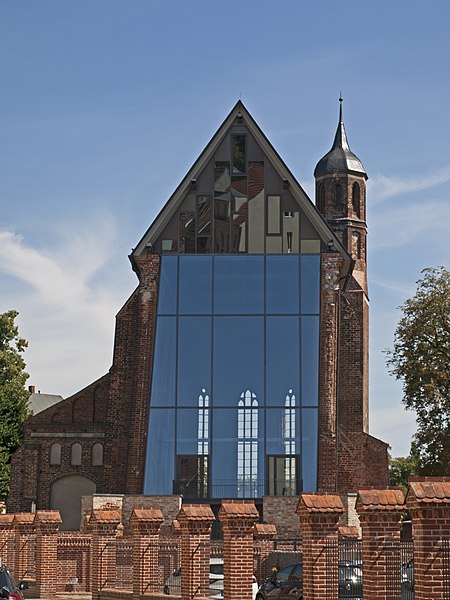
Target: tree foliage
x=13, y=394
x=400, y=469
x=421, y=359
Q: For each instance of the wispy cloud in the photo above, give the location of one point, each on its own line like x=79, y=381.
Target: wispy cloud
x=67, y=296
x=382, y=187
x=399, y=226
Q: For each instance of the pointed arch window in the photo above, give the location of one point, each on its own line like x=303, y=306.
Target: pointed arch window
x=203, y=424
x=247, y=467
x=97, y=454
x=321, y=198
x=356, y=199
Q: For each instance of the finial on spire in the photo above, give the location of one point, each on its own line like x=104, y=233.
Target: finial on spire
x=340, y=106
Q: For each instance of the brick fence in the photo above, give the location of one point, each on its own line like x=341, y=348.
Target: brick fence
x=117, y=561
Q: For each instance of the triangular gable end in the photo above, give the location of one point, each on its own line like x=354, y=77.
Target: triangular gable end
x=203, y=178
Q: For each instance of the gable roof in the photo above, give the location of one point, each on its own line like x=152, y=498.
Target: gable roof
x=239, y=110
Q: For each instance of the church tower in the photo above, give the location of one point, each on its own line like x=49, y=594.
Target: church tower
x=341, y=198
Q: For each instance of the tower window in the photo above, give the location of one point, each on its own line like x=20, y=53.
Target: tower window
x=97, y=455
x=356, y=199
x=337, y=194
x=321, y=199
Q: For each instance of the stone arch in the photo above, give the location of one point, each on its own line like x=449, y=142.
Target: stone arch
x=65, y=496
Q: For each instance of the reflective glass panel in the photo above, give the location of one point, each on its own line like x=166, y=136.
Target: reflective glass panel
x=159, y=465
x=238, y=451
x=238, y=142
x=238, y=360
x=309, y=449
x=282, y=360
x=195, y=284
x=239, y=284
x=310, y=361
x=167, y=295
x=194, y=359
x=310, y=283
x=282, y=284
x=164, y=365
x=283, y=430
x=193, y=429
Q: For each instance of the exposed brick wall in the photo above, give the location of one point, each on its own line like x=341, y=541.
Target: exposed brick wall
x=280, y=511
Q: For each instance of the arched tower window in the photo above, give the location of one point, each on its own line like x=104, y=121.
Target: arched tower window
x=75, y=455
x=97, y=455
x=247, y=467
x=356, y=199
x=321, y=198
x=203, y=424
x=55, y=454
x=337, y=195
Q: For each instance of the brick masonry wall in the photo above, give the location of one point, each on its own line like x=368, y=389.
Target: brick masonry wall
x=280, y=511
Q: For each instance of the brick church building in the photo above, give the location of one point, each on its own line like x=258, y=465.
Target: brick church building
x=240, y=366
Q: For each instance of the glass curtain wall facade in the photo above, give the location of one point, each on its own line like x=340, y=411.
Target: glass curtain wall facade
x=234, y=395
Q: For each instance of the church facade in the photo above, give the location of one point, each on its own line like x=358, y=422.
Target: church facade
x=240, y=365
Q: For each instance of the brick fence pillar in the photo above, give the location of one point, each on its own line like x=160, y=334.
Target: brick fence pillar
x=47, y=526
x=319, y=515
x=379, y=514
x=24, y=563
x=428, y=500
x=238, y=518
x=145, y=524
x=263, y=534
x=195, y=522
x=6, y=533
x=103, y=524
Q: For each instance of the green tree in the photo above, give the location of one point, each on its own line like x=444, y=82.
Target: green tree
x=400, y=469
x=13, y=394
x=421, y=359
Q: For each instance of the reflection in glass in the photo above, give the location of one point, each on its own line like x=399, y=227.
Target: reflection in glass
x=247, y=458
x=282, y=358
x=239, y=224
x=159, y=464
x=195, y=284
x=164, y=372
x=310, y=361
x=204, y=229
x=238, y=143
x=309, y=448
x=239, y=284
x=282, y=285
x=194, y=358
x=291, y=232
x=273, y=214
x=256, y=205
x=310, y=283
x=167, y=294
x=222, y=206
x=238, y=358
x=187, y=232
x=203, y=423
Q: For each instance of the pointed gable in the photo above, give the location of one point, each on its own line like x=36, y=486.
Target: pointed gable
x=239, y=197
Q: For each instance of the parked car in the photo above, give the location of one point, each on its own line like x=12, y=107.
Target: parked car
x=285, y=583
x=288, y=582
x=8, y=587
x=172, y=585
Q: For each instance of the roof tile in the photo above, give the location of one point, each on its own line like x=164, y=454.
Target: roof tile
x=430, y=489
x=322, y=503
x=380, y=499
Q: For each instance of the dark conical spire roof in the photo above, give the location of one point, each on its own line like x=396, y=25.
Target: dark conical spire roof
x=340, y=159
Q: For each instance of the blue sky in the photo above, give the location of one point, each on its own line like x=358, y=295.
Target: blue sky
x=105, y=104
